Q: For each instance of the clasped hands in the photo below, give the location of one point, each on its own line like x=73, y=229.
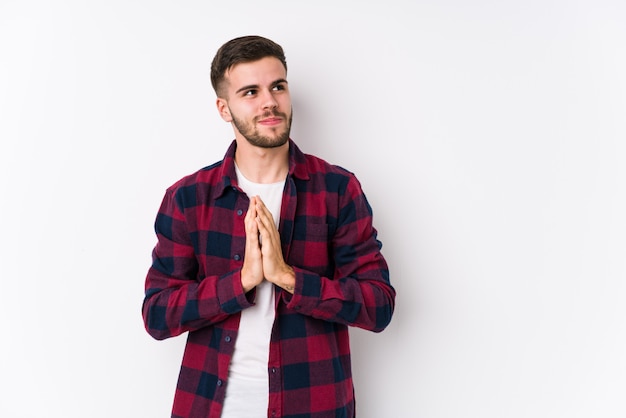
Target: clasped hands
x=263, y=254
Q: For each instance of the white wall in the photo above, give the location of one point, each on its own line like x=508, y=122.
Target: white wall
x=489, y=137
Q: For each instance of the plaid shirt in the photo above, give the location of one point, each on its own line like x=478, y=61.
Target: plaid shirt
x=194, y=285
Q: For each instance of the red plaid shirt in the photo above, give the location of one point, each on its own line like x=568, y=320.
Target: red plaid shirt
x=194, y=286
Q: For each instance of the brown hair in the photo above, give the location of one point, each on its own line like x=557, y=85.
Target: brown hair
x=240, y=50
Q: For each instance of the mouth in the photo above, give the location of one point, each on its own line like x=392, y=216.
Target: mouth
x=271, y=121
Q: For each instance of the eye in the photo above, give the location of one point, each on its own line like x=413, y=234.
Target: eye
x=250, y=92
x=279, y=87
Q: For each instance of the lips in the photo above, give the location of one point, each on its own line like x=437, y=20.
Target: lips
x=270, y=121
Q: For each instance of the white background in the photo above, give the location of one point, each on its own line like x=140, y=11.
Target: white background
x=489, y=137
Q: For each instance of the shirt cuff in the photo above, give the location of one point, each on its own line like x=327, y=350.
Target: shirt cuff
x=230, y=293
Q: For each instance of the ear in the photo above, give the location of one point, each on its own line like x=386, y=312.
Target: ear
x=223, y=110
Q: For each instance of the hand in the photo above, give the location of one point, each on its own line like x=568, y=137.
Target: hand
x=275, y=269
x=252, y=270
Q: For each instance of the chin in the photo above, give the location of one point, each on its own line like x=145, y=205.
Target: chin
x=268, y=143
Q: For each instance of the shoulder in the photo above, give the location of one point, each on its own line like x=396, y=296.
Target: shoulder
x=216, y=175
x=305, y=165
x=197, y=186
x=325, y=176
x=317, y=164
x=208, y=175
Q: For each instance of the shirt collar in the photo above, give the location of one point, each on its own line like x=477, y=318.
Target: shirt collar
x=297, y=167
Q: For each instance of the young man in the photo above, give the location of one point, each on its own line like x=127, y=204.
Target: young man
x=265, y=258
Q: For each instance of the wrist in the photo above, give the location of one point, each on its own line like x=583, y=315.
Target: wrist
x=248, y=281
x=288, y=280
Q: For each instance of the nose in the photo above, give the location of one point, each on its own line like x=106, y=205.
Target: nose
x=269, y=101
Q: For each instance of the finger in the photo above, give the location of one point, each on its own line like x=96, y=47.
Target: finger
x=251, y=215
x=261, y=208
x=266, y=217
x=251, y=209
x=263, y=224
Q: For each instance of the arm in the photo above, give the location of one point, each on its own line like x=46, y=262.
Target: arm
x=359, y=292
x=176, y=298
x=359, y=295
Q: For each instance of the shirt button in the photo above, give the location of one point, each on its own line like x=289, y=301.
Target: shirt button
x=219, y=383
x=273, y=369
x=237, y=257
x=227, y=339
x=239, y=212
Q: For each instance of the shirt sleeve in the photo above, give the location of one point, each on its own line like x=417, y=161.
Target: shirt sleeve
x=176, y=298
x=359, y=293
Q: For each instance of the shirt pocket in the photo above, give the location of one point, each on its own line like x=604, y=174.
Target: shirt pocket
x=311, y=247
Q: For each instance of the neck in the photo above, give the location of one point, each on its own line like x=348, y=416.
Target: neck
x=262, y=165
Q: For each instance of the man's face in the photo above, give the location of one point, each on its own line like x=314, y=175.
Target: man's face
x=258, y=103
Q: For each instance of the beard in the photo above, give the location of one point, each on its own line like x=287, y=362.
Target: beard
x=250, y=131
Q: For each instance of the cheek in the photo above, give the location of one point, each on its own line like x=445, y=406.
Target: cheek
x=285, y=105
x=242, y=111
x=286, y=100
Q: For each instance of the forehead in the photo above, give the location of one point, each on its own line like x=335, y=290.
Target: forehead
x=261, y=72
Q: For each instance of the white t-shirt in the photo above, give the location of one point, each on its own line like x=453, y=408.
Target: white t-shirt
x=247, y=391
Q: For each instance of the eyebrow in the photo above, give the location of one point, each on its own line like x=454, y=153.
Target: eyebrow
x=256, y=86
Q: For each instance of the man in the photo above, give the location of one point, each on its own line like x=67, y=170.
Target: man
x=265, y=258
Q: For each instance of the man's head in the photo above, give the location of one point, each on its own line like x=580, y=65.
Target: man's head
x=241, y=50
x=249, y=75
